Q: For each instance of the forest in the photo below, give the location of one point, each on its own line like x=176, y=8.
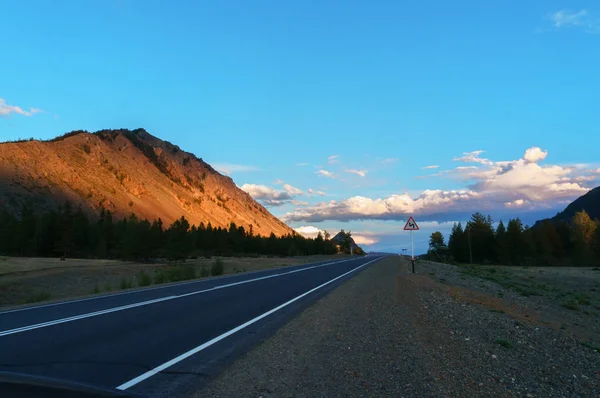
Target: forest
x=573, y=242
x=69, y=232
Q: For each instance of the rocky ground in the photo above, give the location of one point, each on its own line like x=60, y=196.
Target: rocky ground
x=445, y=331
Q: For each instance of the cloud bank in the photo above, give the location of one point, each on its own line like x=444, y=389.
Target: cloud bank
x=517, y=184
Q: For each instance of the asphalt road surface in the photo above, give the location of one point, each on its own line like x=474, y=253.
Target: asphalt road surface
x=165, y=340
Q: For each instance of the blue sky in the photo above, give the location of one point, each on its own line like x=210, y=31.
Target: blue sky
x=346, y=102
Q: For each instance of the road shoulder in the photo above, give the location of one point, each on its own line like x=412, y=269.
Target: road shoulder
x=386, y=332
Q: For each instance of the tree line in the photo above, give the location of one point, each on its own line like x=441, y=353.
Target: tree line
x=69, y=232
x=559, y=243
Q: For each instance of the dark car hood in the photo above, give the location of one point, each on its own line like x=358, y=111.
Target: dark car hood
x=24, y=385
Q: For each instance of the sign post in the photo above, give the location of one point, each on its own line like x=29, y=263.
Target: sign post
x=411, y=226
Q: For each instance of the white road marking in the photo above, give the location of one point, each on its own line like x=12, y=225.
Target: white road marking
x=201, y=347
x=147, y=289
x=149, y=302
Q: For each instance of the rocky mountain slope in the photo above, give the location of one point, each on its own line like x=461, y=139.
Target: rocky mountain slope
x=126, y=172
x=590, y=202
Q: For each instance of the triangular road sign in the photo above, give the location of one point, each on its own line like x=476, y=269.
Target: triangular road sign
x=411, y=225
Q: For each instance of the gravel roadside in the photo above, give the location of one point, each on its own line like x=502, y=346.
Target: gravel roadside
x=387, y=332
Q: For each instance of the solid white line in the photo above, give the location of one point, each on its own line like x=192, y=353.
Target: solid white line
x=201, y=347
x=149, y=302
x=148, y=289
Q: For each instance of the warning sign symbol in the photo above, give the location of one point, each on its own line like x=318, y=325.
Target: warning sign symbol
x=411, y=225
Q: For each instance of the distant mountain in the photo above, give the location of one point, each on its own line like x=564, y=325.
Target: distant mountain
x=126, y=172
x=590, y=202
x=337, y=239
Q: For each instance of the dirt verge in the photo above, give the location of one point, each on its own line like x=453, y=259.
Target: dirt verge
x=389, y=333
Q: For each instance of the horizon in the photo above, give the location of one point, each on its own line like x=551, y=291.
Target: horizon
x=333, y=116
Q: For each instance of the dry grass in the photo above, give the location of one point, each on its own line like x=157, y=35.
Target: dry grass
x=563, y=298
x=28, y=280
x=12, y=265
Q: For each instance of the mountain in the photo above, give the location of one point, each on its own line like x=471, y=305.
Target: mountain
x=126, y=172
x=339, y=238
x=590, y=202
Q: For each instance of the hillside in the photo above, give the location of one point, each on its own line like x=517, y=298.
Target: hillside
x=590, y=202
x=126, y=171
x=339, y=237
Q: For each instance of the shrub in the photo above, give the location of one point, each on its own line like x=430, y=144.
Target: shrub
x=582, y=298
x=217, y=267
x=204, y=272
x=37, y=297
x=591, y=346
x=159, y=277
x=86, y=148
x=144, y=279
x=187, y=272
x=504, y=343
x=181, y=273
x=173, y=273
x=96, y=289
x=126, y=283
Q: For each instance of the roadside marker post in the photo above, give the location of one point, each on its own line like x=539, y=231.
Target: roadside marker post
x=411, y=226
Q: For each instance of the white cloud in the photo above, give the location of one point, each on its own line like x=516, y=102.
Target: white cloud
x=433, y=166
x=518, y=184
x=472, y=157
x=308, y=231
x=321, y=193
x=517, y=203
x=364, y=239
x=292, y=190
x=391, y=208
x=585, y=178
x=278, y=182
x=310, y=190
x=6, y=110
x=301, y=164
x=325, y=173
x=567, y=18
x=463, y=168
x=333, y=159
x=361, y=173
x=571, y=19
x=228, y=168
x=389, y=160
x=270, y=196
x=535, y=154
x=299, y=203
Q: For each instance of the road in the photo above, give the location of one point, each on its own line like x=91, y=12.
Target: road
x=163, y=340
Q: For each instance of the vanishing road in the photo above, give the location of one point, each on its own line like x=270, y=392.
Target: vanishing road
x=164, y=340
